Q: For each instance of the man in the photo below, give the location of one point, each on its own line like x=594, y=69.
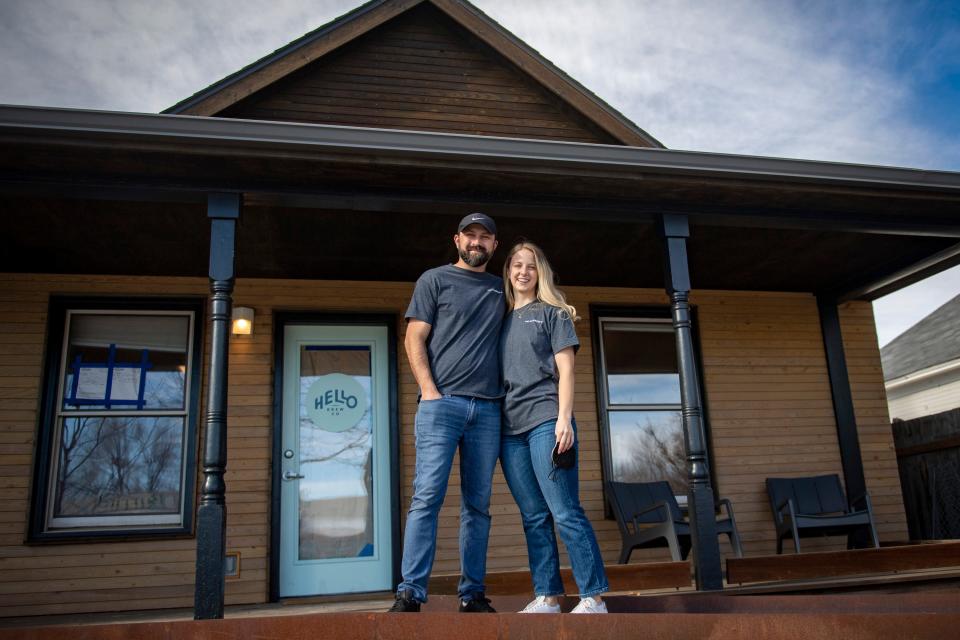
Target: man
x=453, y=330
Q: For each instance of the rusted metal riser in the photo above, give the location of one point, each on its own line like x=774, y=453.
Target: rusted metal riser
x=674, y=617
x=443, y=626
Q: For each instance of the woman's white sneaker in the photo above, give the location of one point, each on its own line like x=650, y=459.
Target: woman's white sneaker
x=589, y=605
x=540, y=605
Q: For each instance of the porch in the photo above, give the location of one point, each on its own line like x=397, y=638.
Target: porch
x=305, y=206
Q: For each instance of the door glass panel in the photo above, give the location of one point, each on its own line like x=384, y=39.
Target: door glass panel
x=647, y=446
x=336, y=453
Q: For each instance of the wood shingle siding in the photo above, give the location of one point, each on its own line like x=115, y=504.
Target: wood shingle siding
x=766, y=393
x=420, y=71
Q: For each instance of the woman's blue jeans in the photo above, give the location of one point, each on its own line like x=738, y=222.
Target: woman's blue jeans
x=442, y=426
x=544, y=500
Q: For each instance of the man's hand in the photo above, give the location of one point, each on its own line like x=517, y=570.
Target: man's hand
x=432, y=395
x=415, y=343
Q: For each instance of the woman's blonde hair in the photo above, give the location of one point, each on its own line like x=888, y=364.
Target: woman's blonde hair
x=547, y=291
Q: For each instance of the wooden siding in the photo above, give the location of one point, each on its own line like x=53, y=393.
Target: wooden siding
x=926, y=396
x=873, y=419
x=770, y=409
x=420, y=71
x=765, y=384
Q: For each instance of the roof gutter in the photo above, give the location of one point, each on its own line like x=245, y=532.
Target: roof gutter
x=272, y=138
x=923, y=374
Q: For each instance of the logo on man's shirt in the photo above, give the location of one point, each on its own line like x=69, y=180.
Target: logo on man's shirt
x=492, y=290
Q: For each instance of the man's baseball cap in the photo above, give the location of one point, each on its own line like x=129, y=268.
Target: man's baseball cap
x=481, y=219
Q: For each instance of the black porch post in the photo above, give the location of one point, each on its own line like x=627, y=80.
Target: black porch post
x=703, y=526
x=847, y=437
x=223, y=209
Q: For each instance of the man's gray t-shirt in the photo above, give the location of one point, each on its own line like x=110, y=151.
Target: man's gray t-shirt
x=465, y=311
x=532, y=335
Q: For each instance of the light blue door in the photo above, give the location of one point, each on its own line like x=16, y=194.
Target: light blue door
x=335, y=529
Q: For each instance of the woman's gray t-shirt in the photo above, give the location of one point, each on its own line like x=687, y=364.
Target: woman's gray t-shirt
x=532, y=335
x=464, y=310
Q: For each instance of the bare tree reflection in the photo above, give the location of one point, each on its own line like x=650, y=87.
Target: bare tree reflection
x=114, y=465
x=336, y=525
x=652, y=451
x=357, y=445
x=80, y=440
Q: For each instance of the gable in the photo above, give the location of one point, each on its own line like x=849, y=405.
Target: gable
x=564, y=104
x=421, y=71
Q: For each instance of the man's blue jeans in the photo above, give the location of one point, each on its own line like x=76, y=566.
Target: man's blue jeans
x=441, y=426
x=527, y=464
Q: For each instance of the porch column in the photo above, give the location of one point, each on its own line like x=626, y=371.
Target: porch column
x=703, y=528
x=223, y=209
x=850, y=459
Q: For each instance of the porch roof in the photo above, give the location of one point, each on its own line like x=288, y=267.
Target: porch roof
x=325, y=201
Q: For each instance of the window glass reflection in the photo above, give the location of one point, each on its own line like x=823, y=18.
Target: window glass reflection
x=641, y=363
x=649, y=388
x=111, y=466
x=647, y=446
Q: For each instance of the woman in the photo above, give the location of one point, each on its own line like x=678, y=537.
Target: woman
x=537, y=347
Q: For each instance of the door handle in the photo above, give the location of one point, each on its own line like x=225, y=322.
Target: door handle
x=290, y=475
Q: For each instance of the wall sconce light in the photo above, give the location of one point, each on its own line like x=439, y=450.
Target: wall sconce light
x=242, y=321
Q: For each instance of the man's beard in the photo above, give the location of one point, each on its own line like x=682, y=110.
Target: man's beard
x=477, y=258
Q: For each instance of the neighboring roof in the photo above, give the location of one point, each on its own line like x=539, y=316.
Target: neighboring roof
x=321, y=41
x=932, y=341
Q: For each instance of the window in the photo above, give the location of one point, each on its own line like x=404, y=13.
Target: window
x=639, y=395
x=117, y=441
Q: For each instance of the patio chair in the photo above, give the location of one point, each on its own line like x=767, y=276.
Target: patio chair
x=652, y=503
x=817, y=506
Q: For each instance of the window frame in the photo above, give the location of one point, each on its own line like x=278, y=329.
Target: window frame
x=651, y=314
x=45, y=455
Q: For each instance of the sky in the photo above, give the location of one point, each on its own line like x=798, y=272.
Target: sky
x=843, y=80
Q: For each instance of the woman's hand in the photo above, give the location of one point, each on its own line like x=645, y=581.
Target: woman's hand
x=564, y=360
x=564, y=432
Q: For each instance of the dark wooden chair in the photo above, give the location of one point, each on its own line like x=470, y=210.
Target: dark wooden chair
x=817, y=506
x=636, y=504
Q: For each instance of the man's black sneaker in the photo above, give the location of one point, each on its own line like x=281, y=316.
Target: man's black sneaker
x=405, y=603
x=477, y=603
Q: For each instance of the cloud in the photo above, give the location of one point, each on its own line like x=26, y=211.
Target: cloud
x=139, y=55
x=758, y=78
x=817, y=79
x=899, y=311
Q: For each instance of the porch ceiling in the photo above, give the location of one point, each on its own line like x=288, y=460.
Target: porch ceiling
x=73, y=235
x=92, y=192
